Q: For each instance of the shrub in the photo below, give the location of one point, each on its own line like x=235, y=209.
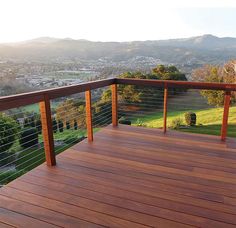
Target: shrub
x=38, y=125
x=123, y=120
x=32, y=121
x=190, y=118
x=67, y=125
x=54, y=125
x=28, y=137
x=75, y=125
x=176, y=123
x=60, y=126
x=26, y=122
x=8, y=132
x=140, y=123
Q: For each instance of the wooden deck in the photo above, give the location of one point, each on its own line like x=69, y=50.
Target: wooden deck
x=129, y=177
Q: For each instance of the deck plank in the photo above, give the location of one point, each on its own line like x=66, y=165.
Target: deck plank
x=129, y=177
x=17, y=219
x=118, y=213
x=4, y=225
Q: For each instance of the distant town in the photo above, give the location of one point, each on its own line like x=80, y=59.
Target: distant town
x=46, y=62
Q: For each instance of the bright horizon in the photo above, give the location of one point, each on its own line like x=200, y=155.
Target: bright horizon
x=123, y=20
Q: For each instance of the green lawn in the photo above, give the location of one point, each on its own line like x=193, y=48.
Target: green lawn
x=35, y=107
x=67, y=133
x=208, y=121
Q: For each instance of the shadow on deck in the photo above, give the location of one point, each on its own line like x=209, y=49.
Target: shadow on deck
x=129, y=177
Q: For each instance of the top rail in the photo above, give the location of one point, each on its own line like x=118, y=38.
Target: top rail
x=177, y=84
x=15, y=101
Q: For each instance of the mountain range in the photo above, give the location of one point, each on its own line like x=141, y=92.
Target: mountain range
x=201, y=49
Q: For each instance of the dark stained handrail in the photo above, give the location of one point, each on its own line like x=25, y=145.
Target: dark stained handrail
x=177, y=84
x=15, y=101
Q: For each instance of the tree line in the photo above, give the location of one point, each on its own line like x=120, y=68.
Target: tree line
x=216, y=73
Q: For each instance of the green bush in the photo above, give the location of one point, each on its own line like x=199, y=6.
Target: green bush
x=38, y=125
x=60, y=126
x=54, y=125
x=29, y=137
x=190, y=118
x=67, y=125
x=8, y=132
x=32, y=121
x=75, y=125
x=140, y=123
x=176, y=123
x=123, y=120
x=26, y=122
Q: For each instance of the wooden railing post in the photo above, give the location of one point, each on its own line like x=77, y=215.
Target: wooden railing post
x=225, y=115
x=165, y=108
x=89, y=121
x=114, y=105
x=46, y=119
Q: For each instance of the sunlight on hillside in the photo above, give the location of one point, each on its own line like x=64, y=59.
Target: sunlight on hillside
x=208, y=121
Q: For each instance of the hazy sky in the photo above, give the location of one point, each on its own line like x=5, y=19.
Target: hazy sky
x=115, y=20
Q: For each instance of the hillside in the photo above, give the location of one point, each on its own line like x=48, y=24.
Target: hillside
x=209, y=119
x=198, y=50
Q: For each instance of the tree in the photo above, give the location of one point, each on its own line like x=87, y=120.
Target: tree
x=32, y=121
x=29, y=119
x=135, y=94
x=60, y=126
x=102, y=112
x=160, y=69
x=214, y=97
x=54, y=125
x=29, y=137
x=26, y=122
x=67, y=111
x=229, y=71
x=229, y=75
x=168, y=73
x=201, y=74
x=140, y=94
x=81, y=118
x=106, y=96
x=8, y=132
x=219, y=74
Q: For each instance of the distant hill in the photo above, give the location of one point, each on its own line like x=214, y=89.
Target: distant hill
x=206, y=41
x=201, y=49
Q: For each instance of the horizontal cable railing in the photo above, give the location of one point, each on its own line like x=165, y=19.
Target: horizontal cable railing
x=21, y=148
x=151, y=110
x=55, y=119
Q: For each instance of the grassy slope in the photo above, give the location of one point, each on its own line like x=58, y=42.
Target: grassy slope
x=208, y=120
x=35, y=107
